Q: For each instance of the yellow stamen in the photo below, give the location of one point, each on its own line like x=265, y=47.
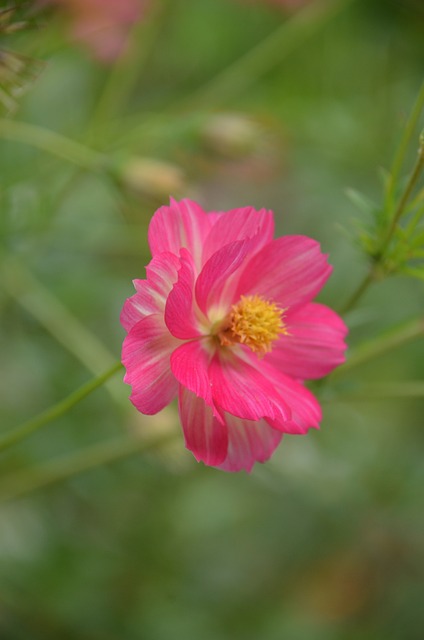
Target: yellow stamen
x=255, y=322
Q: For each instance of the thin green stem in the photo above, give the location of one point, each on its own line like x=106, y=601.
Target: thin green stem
x=419, y=165
x=244, y=72
x=370, y=276
x=407, y=390
x=53, y=143
x=403, y=147
x=22, y=285
x=124, y=73
x=56, y=411
x=68, y=466
x=380, y=346
x=358, y=293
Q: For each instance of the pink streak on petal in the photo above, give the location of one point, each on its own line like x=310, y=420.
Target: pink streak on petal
x=180, y=316
x=314, y=345
x=190, y=364
x=145, y=355
x=290, y=270
x=213, y=286
x=182, y=224
x=243, y=391
x=205, y=436
x=248, y=442
x=239, y=224
x=151, y=293
x=305, y=411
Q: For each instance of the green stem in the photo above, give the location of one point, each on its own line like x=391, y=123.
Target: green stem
x=246, y=70
x=370, y=276
x=392, y=340
x=358, y=293
x=23, y=431
x=379, y=391
x=69, y=466
x=53, y=143
x=403, y=146
x=22, y=285
x=125, y=72
x=404, y=199
x=240, y=75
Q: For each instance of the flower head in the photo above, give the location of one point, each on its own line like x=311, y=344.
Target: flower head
x=225, y=321
x=102, y=25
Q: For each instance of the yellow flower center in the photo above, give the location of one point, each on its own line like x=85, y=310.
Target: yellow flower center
x=255, y=322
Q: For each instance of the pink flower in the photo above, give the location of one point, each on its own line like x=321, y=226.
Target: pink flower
x=225, y=322
x=103, y=25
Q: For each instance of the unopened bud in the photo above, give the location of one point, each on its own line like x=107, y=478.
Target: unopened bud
x=152, y=178
x=232, y=135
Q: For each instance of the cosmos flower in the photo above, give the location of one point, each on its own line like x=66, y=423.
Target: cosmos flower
x=224, y=320
x=102, y=25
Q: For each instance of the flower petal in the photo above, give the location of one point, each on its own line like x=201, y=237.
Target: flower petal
x=314, y=344
x=190, y=364
x=214, y=288
x=180, y=316
x=182, y=224
x=248, y=442
x=151, y=293
x=204, y=435
x=243, y=391
x=239, y=224
x=145, y=355
x=290, y=270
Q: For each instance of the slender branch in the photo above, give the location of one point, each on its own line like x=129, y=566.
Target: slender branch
x=403, y=146
x=23, y=286
x=358, y=293
x=126, y=70
x=370, y=276
x=379, y=346
x=246, y=70
x=23, y=431
x=68, y=466
x=379, y=391
x=240, y=75
x=404, y=199
x=53, y=143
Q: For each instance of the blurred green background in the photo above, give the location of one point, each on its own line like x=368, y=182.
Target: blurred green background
x=231, y=103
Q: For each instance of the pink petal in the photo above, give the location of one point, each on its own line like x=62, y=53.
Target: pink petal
x=243, y=391
x=214, y=287
x=304, y=407
x=151, y=293
x=182, y=224
x=145, y=355
x=190, y=364
x=239, y=224
x=314, y=345
x=180, y=316
x=248, y=442
x=204, y=435
x=290, y=270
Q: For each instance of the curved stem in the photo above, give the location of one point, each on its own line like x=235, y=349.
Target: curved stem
x=357, y=294
x=378, y=347
x=69, y=466
x=23, y=431
x=53, y=143
x=404, y=199
x=403, y=146
x=405, y=390
x=237, y=77
x=370, y=277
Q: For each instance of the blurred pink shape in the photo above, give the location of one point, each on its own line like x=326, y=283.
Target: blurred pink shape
x=103, y=25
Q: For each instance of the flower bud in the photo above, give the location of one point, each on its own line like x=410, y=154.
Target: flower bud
x=152, y=178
